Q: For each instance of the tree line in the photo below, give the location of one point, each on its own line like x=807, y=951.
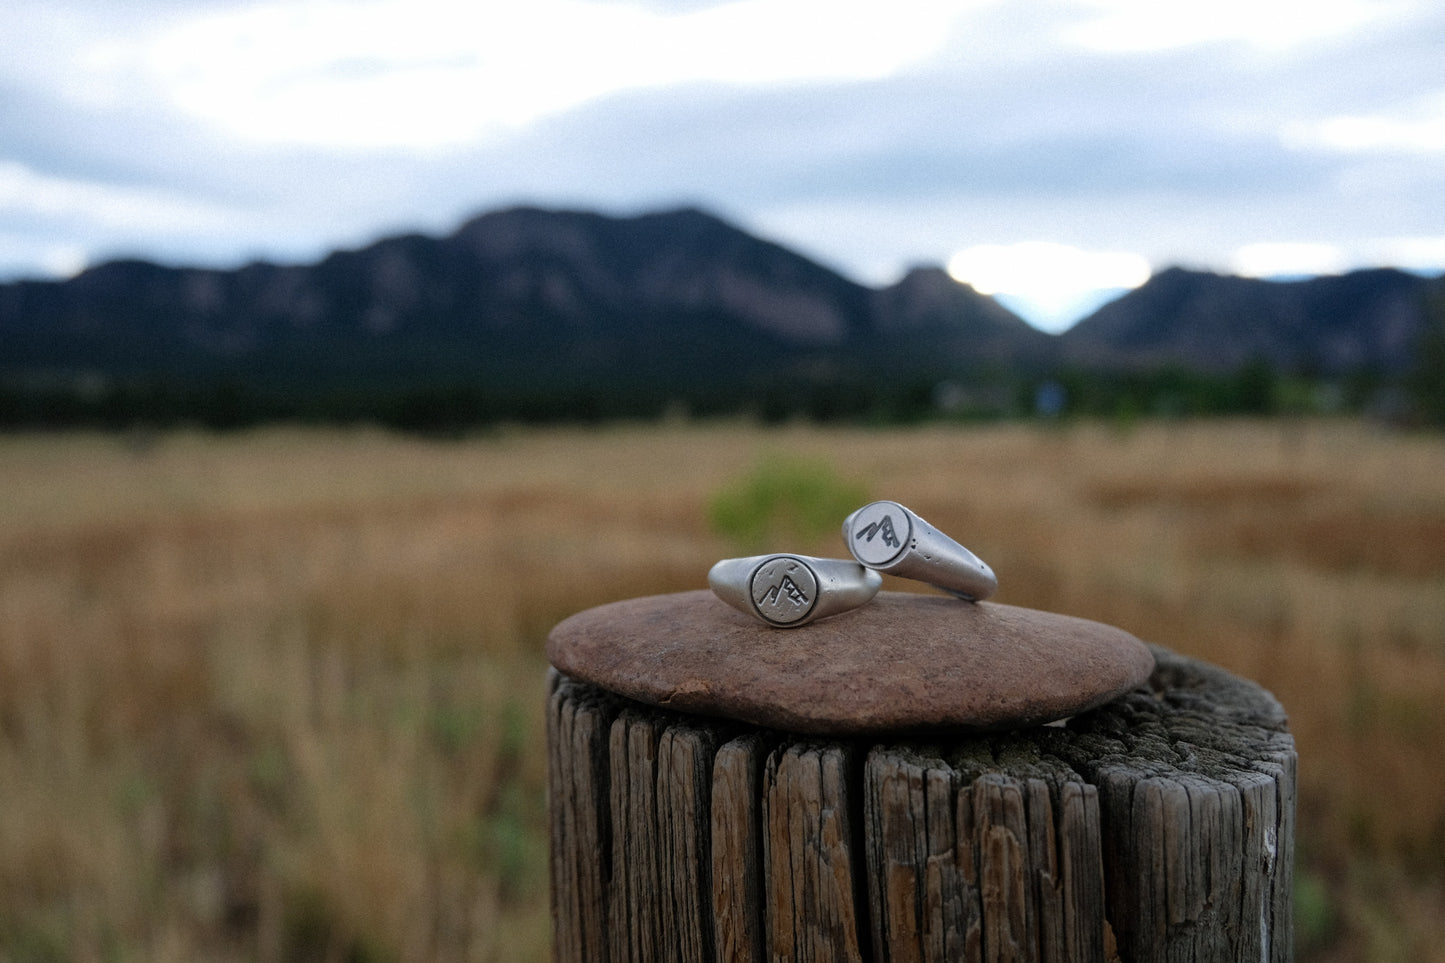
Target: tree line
x=459, y=405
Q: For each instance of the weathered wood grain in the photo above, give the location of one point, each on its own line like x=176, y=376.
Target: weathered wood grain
x=577, y=726
x=983, y=849
x=812, y=884
x=1197, y=781
x=1158, y=827
x=737, y=847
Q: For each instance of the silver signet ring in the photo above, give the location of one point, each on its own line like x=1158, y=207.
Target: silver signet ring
x=791, y=590
x=890, y=538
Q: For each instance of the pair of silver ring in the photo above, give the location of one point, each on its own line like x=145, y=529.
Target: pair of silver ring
x=787, y=590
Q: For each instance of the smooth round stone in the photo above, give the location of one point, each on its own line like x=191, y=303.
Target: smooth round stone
x=900, y=663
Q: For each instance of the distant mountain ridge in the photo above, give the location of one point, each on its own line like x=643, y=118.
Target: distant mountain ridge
x=671, y=304
x=1368, y=319
x=521, y=295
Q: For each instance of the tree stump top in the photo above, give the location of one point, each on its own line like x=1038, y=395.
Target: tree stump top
x=901, y=663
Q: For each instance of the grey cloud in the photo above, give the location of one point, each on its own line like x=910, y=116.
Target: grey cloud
x=1173, y=148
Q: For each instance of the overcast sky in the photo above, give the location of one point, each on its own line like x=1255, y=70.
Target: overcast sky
x=1043, y=149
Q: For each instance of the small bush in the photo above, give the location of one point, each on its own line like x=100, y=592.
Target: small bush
x=784, y=504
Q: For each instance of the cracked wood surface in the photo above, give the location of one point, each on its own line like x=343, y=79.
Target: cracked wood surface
x=1157, y=827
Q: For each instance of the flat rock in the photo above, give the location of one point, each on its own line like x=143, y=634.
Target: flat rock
x=900, y=663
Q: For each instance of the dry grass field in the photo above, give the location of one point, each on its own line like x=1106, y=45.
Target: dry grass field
x=278, y=695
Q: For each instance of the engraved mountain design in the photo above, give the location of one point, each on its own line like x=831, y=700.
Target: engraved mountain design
x=786, y=587
x=883, y=529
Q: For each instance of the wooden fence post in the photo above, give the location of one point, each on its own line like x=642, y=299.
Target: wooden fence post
x=1159, y=826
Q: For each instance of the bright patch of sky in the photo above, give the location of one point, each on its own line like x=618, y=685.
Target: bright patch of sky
x=1052, y=284
x=1298, y=259
x=426, y=74
x=1266, y=259
x=1145, y=26
x=1417, y=128
x=140, y=209
x=53, y=260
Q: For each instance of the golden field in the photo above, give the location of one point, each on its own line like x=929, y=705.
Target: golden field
x=278, y=695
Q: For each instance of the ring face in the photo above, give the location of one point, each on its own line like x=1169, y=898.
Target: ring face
x=880, y=533
x=887, y=537
x=784, y=590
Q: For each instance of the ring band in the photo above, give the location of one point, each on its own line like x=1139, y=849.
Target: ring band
x=890, y=538
x=787, y=591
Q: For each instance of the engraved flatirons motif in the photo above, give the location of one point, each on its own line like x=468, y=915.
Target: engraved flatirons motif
x=784, y=590
x=787, y=587
x=876, y=538
x=883, y=530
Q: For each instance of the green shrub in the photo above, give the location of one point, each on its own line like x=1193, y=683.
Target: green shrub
x=784, y=503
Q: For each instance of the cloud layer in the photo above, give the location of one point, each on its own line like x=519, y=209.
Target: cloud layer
x=1264, y=137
